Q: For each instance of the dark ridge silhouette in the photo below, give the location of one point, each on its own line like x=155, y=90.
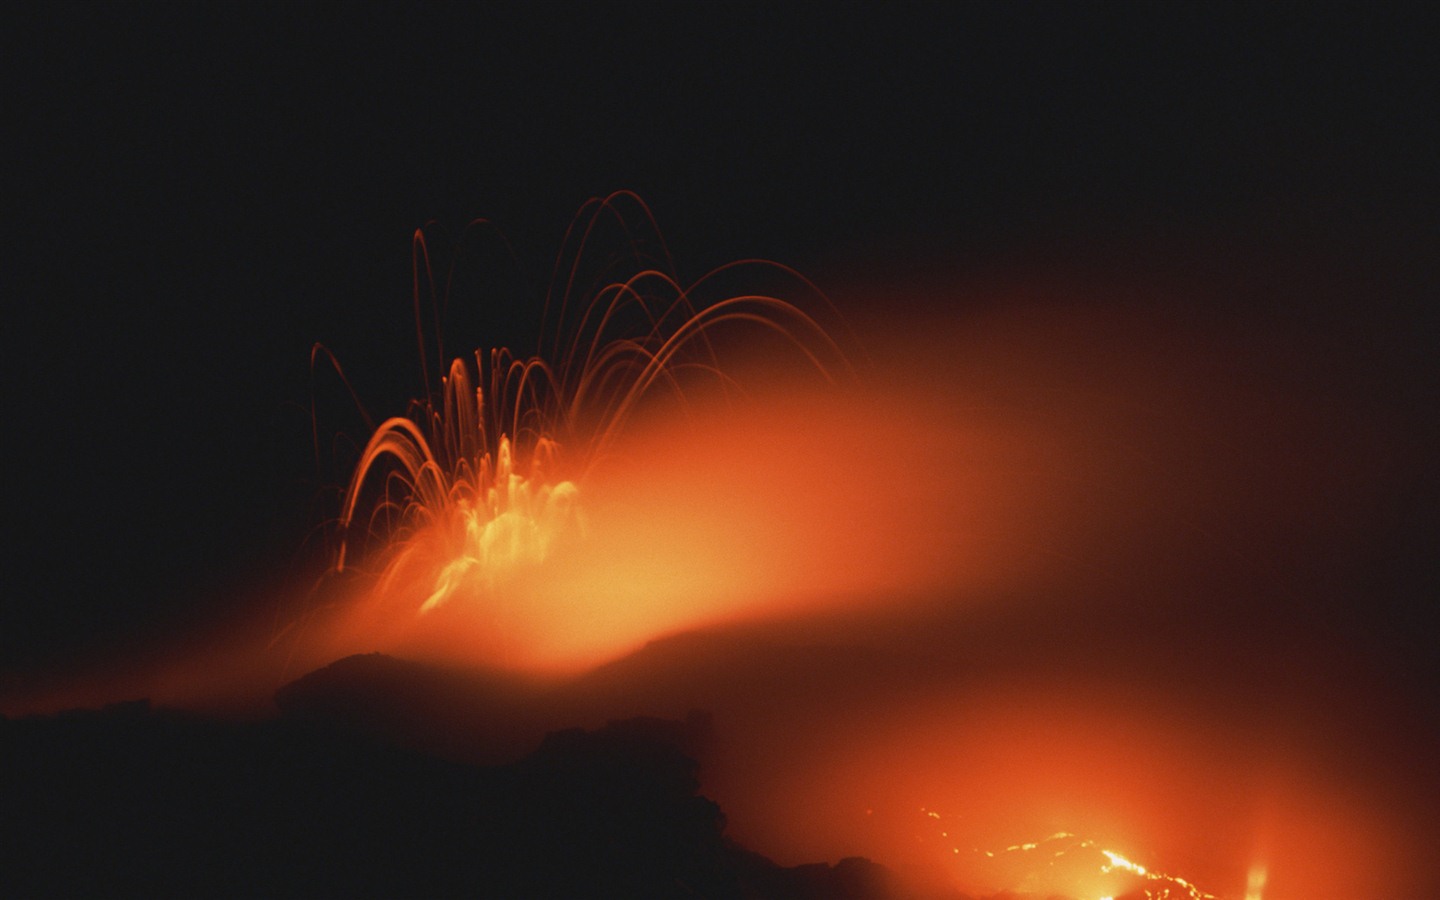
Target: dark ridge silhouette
x=470, y=715
x=136, y=801
x=489, y=718
x=714, y=667
x=852, y=878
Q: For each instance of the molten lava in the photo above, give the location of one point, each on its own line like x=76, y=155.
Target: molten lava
x=1061, y=864
x=488, y=504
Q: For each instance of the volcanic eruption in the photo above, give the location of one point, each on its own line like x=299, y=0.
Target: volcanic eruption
x=1015, y=598
x=465, y=512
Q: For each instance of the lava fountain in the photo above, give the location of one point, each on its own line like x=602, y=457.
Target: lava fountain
x=480, y=521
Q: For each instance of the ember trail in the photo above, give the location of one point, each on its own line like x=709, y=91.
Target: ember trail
x=465, y=498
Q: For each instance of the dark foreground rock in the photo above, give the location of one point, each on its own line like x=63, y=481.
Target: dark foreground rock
x=132, y=801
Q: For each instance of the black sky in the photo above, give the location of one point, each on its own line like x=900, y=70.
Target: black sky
x=198, y=196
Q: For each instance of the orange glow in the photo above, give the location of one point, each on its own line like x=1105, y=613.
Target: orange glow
x=1071, y=558
x=735, y=514
x=488, y=522
x=1255, y=882
x=1132, y=796
x=1063, y=863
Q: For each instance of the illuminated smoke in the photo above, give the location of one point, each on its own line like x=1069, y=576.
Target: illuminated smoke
x=1062, y=460
x=478, y=500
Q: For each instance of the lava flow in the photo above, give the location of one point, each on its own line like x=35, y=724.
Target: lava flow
x=1062, y=863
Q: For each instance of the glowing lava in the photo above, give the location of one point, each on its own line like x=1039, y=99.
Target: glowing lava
x=481, y=518
x=476, y=502
x=1061, y=864
x=1255, y=882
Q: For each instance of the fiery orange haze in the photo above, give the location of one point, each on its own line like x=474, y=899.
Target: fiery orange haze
x=1046, y=565
x=1061, y=555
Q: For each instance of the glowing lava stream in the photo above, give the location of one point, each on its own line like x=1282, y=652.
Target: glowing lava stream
x=1062, y=863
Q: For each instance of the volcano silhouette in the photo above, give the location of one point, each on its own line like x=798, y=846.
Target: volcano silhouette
x=380, y=777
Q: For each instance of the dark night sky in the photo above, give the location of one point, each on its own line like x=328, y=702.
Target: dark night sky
x=200, y=196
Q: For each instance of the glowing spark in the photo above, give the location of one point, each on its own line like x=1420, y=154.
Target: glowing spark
x=1119, y=862
x=1255, y=882
x=476, y=489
